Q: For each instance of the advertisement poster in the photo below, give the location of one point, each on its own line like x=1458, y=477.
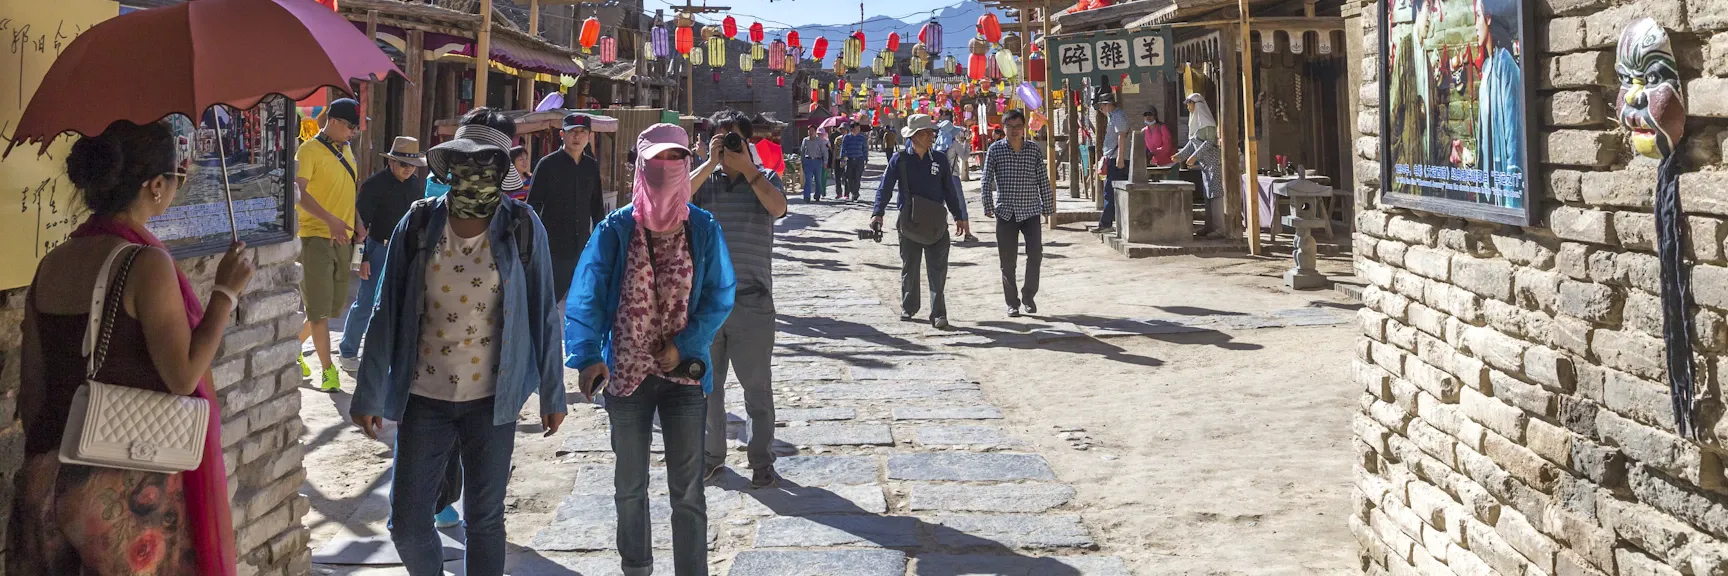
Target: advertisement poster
x=1455, y=137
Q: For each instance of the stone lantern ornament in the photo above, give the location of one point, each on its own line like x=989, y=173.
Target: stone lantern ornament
x=1653, y=107
x=1307, y=212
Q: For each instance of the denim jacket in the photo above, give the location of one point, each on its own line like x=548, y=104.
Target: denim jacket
x=593, y=302
x=528, y=347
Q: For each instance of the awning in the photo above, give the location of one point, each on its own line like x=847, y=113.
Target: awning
x=521, y=55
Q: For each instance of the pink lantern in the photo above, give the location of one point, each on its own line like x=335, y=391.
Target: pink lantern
x=608, y=50
x=776, y=55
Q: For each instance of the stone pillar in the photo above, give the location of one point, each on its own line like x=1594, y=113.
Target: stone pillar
x=1155, y=212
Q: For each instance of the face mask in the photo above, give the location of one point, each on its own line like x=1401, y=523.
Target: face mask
x=475, y=190
x=662, y=193
x=1149, y=122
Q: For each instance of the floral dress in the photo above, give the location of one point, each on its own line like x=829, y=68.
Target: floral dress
x=653, y=308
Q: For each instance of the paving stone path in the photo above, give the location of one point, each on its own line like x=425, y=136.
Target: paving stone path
x=892, y=460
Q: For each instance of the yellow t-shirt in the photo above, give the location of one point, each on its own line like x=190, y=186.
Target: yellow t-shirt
x=328, y=183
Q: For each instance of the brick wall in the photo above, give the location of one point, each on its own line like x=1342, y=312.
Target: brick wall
x=1515, y=418
x=256, y=382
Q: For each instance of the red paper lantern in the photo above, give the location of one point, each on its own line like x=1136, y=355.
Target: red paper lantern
x=976, y=66
x=1035, y=67
x=716, y=74
x=729, y=27
x=590, y=32
x=792, y=39
x=756, y=32
x=815, y=95
x=990, y=27
x=896, y=79
x=860, y=36
x=819, y=49
x=893, y=41
x=686, y=40
x=780, y=81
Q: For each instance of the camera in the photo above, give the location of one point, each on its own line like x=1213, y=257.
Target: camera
x=874, y=233
x=734, y=142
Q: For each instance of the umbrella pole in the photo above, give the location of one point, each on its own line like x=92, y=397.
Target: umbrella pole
x=227, y=193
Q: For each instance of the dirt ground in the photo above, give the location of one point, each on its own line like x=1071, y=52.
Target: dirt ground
x=1215, y=452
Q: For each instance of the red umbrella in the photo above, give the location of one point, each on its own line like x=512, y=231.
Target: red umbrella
x=185, y=58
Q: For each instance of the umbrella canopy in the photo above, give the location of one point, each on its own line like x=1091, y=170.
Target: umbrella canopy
x=185, y=58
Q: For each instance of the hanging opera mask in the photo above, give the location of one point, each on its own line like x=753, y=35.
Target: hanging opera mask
x=1651, y=102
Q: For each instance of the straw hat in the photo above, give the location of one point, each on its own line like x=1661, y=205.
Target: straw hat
x=406, y=149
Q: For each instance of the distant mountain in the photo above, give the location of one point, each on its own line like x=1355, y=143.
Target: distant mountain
x=959, y=24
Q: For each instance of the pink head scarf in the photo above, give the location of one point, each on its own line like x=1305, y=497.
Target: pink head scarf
x=662, y=191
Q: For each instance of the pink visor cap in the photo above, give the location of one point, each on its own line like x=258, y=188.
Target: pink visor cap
x=660, y=138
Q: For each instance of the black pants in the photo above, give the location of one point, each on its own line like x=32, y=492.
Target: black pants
x=854, y=174
x=1008, y=235
x=563, y=273
x=936, y=258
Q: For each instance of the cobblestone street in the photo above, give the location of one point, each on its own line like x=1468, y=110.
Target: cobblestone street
x=895, y=459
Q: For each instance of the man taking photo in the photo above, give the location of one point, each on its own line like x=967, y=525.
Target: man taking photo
x=927, y=197
x=325, y=180
x=566, y=194
x=1016, y=192
x=745, y=200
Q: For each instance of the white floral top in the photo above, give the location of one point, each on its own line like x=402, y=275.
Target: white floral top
x=460, y=321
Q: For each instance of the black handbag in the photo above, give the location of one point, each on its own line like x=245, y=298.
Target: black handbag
x=922, y=220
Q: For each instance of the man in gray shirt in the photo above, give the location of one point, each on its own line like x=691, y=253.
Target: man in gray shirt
x=813, y=151
x=746, y=199
x=1115, y=154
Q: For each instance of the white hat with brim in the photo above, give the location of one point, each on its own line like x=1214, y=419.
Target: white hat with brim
x=473, y=139
x=916, y=123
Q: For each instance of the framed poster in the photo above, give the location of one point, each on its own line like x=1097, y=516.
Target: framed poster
x=1455, y=95
x=259, y=144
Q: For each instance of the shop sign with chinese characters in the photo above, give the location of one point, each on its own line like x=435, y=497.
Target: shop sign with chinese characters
x=1142, y=53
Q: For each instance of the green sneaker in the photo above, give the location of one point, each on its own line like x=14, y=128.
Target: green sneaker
x=305, y=369
x=332, y=380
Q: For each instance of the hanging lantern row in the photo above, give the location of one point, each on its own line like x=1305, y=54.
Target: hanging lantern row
x=608, y=50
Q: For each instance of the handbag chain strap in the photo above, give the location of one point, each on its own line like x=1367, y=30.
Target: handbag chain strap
x=100, y=329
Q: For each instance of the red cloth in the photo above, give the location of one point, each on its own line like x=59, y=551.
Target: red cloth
x=653, y=308
x=208, y=519
x=1159, y=144
x=773, y=158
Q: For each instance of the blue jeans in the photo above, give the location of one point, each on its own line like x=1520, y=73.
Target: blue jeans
x=431, y=432
x=1112, y=175
x=681, y=409
x=360, y=314
x=815, y=177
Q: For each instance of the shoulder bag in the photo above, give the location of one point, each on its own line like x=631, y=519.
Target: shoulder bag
x=112, y=426
x=922, y=220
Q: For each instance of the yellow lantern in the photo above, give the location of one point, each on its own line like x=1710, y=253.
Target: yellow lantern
x=746, y=63
x=853, y=52
x=696, y=58
x=757, y=52
x=880, y=65
x=887, y=58
x=815, y=85
x=791, y=61
x=717, y=51
x=1007, y=64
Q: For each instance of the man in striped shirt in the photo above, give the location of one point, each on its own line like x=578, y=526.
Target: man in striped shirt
x=1016, y=192
x=745, y=199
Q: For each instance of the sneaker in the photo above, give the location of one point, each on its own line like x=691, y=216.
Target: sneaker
x=940, y=323
x=305, y=369
x=447, y=518
x=712, y=471
x=905, y=316
x=764, y=478
x=332, y=381
x=971, y=238
x=349, y=364
x=1031, y=307
x=1104, y=230
x=1013, y=311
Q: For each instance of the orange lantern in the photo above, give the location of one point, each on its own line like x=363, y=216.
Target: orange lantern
x=819, y=49
x=590, y=33
x=990, y=27
x=977, y=66
x=685, y=39
x=729, y=27
x=893, y=41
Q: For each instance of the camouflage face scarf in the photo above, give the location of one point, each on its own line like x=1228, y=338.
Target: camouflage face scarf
x=475, y=190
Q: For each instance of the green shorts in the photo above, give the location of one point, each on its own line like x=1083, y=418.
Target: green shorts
x=324, y=283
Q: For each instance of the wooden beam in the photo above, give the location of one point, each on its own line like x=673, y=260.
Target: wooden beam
x=374, y=130
x=1229, y=122
x=483, y=54
x=1250, y=161
x=1050, y=130
x=525, y=86
x=414, y=89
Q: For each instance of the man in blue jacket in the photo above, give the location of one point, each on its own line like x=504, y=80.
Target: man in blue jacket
x=926, y=186
x=465, y=273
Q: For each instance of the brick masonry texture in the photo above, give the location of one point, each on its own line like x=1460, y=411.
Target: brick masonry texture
x=256, y=385
x=1515, y=416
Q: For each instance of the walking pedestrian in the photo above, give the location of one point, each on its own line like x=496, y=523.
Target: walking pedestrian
x=927, y=197
x=837, y=157
x=1016, y=192
x=1114, y=161
x=383, y=200
x=952, y=141
x=328, y=230
x=813, y=151
x=78, y=519
x=519, y=157
x=745, y=200
x=465, y=273
x=1202, y=152
x=856, y=148
x=566, y=195
x=651, y=292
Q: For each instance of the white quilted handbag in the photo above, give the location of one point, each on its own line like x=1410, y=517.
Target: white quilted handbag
x=128, y=428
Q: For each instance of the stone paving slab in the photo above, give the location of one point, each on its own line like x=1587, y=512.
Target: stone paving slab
x=835, y=434
x=790, y=500
x=1013, y=530
x=947, y=413
x=585, y=523
x=899, y=391
x=795, y=371
x=1023, y=498
x=982, y=565
x=837, y=530
x=819, y=563
x=601, y=441
x=827, y=470
x=963, y=467
x=945, y=371
x=964, y=436
x=563, y=564
x=813, y=414
x=1211, y=322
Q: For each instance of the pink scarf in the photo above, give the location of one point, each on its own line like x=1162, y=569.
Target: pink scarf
x=209, y=520
x=662, y=193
